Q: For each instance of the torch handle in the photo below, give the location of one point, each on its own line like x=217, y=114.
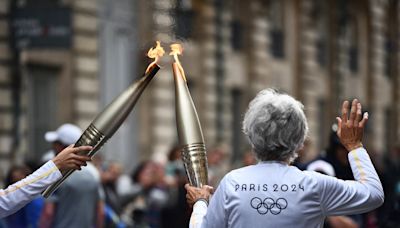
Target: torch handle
x=90, y=137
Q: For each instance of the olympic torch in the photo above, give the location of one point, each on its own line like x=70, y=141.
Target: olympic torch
x=190, y=135
x=111, y=118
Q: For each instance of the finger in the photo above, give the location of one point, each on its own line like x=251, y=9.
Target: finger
x=187, y=186
x=76, y=167
x=339, y=129
x=83, y=158
x=80, y=163
x=345, y=110
x=208, y=188
x=358, y=114
x=76, y=150
x=353, y=112
x=364, y=120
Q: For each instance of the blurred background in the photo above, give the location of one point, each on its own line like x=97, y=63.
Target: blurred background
x=62, y=61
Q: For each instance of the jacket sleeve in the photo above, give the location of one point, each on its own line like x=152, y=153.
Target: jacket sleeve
x=340, y=197
x=199, y=211
x=19, y=194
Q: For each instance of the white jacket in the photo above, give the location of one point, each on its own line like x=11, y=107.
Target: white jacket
x=273, y=194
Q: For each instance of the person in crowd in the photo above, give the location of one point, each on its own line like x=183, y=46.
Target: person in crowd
x=336, y=154
x=275, y=194
x=113, y=201
x=78, y=202
x=217, y=164
x=145, y=208
x=301, y=162
x=17, y=195
x=29, y=215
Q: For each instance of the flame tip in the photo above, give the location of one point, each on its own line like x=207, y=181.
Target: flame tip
x=155, y=53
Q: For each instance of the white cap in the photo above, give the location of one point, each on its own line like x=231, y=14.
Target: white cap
x=67, y=134
x=322, y=166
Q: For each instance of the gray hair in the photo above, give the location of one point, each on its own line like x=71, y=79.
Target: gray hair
x=275, y=126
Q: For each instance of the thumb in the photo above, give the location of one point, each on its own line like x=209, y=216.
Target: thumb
x=187, y=186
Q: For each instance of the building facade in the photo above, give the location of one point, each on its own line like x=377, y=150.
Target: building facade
x=321, y=52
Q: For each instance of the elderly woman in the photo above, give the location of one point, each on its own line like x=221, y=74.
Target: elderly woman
x=275, y=194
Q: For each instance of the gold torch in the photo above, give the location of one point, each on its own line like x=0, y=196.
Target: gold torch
x=190, y=135
x=110, y=119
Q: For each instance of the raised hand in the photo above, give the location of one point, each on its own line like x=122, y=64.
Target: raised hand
x=351, y=129
x=69, y=158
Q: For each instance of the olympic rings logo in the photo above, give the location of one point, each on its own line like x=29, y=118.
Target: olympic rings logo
x=268, y=204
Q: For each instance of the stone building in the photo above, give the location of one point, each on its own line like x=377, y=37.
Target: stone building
x=321, y=52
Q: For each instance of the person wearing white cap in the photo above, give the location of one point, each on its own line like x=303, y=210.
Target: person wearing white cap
x=322, y=166
x=275, y=194
x=64, y=136
x=19, y=194
x=78, y=201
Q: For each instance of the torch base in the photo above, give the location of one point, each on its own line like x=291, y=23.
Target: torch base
x=194, y=158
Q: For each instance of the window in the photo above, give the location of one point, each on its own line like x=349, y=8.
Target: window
x=237, y=35
x=236, y=26
x=43, y=107
x=352, y=36
x=319, y=15
x=276, y=32
x=183, y=14
x=353, y=58
x=348, y=30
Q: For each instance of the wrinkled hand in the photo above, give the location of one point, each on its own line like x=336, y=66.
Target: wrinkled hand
x=69, y=158
x=194, y=194
x=350, y=130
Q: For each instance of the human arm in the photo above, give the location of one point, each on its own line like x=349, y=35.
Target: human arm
x=340, y=197
x=19, y=194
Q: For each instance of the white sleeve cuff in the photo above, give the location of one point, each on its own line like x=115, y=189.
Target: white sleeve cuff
x=199, y=206
x=199, y=211
x=50, y=165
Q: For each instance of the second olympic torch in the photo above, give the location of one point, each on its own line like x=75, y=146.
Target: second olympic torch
x=190, y=135
x=111, y=118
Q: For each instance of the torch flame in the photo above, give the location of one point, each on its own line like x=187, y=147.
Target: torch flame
x=155, y=53
x=177, y=49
